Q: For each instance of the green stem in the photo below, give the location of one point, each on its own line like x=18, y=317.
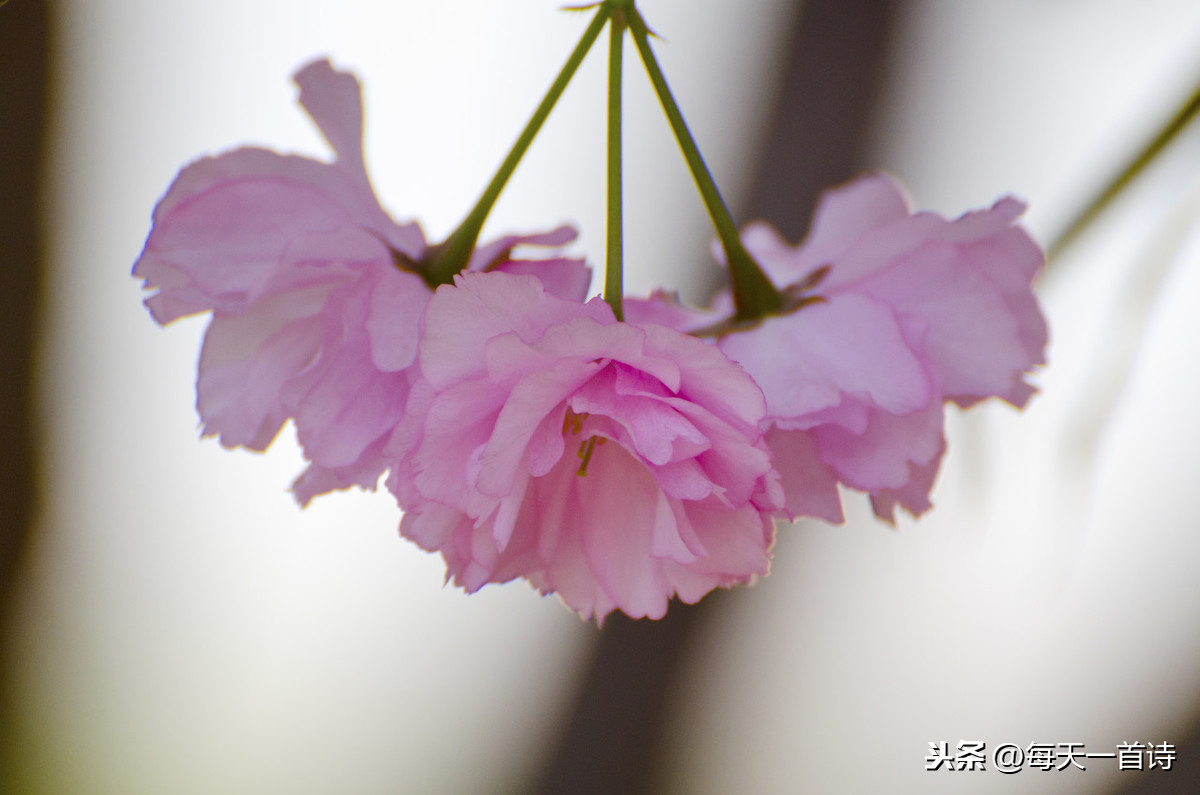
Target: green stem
x=753, y=294
x=452, y=256
x=613, y=286
x=1089, y=214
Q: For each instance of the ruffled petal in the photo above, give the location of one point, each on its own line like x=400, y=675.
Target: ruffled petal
x=810, y=485
x=811, y=359
x=246, y=362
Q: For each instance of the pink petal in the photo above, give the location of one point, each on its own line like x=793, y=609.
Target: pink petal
x=808, y=360
x=334, y=102
x=363, y=473
x=245, y=363
x=618, y=541
x=709, y=376
x=457, y=424
x=913, y=496
x=843, y=216
x=808, y=482
x=478, y=307
x=566, y=278
x=527, y=406
x=881, y=458
x=393, y=323
x=209, y=250
x=666, y=309
x=497, y=251
x=968, y=331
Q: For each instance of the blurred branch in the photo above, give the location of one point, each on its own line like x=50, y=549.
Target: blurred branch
x=24, y=70
x=24, y=80
x=1123, y=178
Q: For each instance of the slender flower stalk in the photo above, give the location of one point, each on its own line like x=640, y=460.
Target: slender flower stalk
x=613, y=282
x=753, y=294
x=452, y=256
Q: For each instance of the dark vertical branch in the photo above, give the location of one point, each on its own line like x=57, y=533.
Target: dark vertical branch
x=830, y=90
x=614, y=734
x=613, y=739
x=23, y=82
x=24, y=70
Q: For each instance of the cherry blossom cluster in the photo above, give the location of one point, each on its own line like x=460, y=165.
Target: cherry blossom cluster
x=616, y=458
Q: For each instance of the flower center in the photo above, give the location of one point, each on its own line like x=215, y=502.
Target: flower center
x=573, y=423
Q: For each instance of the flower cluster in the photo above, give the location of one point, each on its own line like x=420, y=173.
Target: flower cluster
x=528, y=432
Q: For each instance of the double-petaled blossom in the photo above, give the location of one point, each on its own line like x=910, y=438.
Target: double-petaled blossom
x=315, y=291
x=531, y=434
x=893, y=314
x=616, y=464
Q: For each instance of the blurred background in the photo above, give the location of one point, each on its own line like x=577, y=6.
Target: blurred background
x=175, y=624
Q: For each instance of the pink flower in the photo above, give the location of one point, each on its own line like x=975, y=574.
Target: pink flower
x=914, y=311
x=616, y=464
x=314, y=292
